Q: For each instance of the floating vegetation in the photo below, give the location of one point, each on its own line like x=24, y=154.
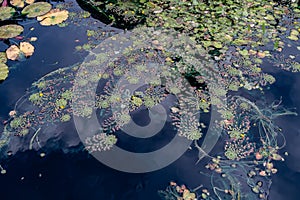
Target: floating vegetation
x=176, y=192
x=10, y=31
x=54, y=17
x=100, y=142
x=6, y=13
x=47, y=102
x=20, y=3
x=18, y=53
x=3, y=71
x=245, y=168
x=36, y=9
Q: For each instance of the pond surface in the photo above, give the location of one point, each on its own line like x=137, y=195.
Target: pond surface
x=67, y=172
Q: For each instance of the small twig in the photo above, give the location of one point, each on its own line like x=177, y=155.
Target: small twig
x=31, y=141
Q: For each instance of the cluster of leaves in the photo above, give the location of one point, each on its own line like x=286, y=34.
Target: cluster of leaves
x=233, y=32
x=251, y=150
x=123, y=14
x=164, y=79
x=10, y=14
x=176, y=192
x=46, y=102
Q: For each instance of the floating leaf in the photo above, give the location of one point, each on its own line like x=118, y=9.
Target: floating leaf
x=26, y=48
x=10, y=31
x=6, y=13
x=13, y=52
x=17, y=3
x=3, y=58
x=29, y=1
x=53, y=17
x=187, y=195
x=3, y=71
x=293, y=37
x=19, y=53
x=36, y=9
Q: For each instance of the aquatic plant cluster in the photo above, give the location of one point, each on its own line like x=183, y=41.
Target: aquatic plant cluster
x=46, y=102
x=244, y=169
x=234, y=33
x=12, y=13
x=239, y=36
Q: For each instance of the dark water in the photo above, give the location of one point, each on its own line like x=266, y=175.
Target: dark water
x=78, y=176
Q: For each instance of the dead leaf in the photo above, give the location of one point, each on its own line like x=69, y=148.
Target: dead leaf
x=13, y=52
x=26, y=48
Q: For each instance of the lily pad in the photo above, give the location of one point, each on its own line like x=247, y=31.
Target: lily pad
x=3, y=71
x=6, y=13
x=36, y=9
x=29, y=1
x=18, y=3
x=3, y=58
x=19, y=53
x=10, y=31
x=55, y=16
x=13, y=52
x=26, y=48
x=293, y=37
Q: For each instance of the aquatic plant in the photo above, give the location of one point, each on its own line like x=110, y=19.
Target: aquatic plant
x=3, y=71
x=36, y=9
x=19, y=10
x=100, y=142
x=65, y=118
x=55, y=16
x=6, y=13
x=176, y=192
x=10, y=31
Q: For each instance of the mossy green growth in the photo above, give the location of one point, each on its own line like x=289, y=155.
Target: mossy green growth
x=231, y=154
x=61, y=103
x=65, y=118
x=36, y=98
x=18, y=122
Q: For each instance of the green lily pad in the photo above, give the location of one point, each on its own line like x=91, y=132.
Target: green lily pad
x=36, y=9
x=3, y=58
x=218, y=45
x=3, y=71
x=6, y=13
x=10, y=31
x=293, y=37
x=294, y=32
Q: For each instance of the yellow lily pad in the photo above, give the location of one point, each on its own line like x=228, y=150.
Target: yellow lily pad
x=16, y=53
x=3, y=71
x=55, y=16
x=18, y=3
x=6, y=13
x=29, y=1
x=293, y=37
x=36, y=9
x=27, y=48
x=13, y=52
x=10, y=31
